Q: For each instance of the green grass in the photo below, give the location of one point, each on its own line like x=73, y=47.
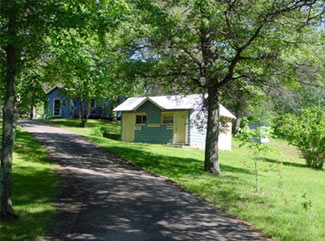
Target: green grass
x=277, y=210
x=34, y=190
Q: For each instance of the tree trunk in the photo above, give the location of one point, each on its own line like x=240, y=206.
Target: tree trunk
x=31, y=112
x=211, y=162
x=238, y=113
x=84, y=114
x=8, y=135
x=84, y=120
x=237, y=125
x=256, y=174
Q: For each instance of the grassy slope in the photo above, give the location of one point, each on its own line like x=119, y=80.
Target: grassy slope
x=277, y=210
x=34, y=190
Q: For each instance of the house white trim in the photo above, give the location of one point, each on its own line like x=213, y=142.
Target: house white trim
x=169, y=103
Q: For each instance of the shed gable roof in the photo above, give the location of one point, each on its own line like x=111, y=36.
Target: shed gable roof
x=172, y=102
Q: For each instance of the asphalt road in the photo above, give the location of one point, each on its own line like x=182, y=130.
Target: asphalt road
x=104, y=198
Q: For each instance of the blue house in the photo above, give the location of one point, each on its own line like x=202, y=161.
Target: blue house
x=176, y=119
x=61, y=106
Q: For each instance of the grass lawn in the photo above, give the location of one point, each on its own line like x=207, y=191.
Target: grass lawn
x=290, y=205
x=34, y=190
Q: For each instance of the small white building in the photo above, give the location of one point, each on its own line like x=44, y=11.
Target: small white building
x=176, y=119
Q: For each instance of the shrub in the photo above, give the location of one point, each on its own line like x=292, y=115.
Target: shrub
x=307, y=132
x=97, y=131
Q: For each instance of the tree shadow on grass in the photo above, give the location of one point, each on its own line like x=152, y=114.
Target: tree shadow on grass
x=27, y=227
x=35, y=193
x=111, y=136
x=64, y=122
x=34, y=189
x=285, y=163
x=138, y=151
x=172, y=165
x=178, y=168
x=29, y=149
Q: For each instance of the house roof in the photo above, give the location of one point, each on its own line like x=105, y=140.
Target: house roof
x=56, y=87
x=51, y=90
x=171, y=102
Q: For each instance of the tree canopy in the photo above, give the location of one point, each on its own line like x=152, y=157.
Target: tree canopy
x=307, y=132
x=239, y=50
x=28, y=30
x=203, y=46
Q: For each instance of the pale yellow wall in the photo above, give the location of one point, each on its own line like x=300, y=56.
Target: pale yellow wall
x=180, y=134
x=128, y=127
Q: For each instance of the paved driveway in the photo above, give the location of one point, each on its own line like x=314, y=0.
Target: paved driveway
x=106, y=199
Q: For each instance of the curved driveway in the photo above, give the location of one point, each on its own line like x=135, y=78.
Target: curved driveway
x=104, y=198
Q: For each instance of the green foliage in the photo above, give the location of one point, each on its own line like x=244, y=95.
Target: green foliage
x=310, y=69
x=199, y=44
x=31, y=94
x=59, y=33
x=205, y=46
x=306, y=131
x=253, y=140
x=91, y=67
x=29, y=30
x=97, y=131
x=306, y=203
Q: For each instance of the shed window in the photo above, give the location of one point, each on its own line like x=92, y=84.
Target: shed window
x=167, y=119
x=141, y=119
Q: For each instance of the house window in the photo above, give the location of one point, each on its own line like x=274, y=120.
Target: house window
x=56, y=107
x=141, y=119
x=93, y=104
x=167, y=119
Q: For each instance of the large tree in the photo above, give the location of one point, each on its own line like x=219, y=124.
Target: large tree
x=27, y=29
x=204, y=45
x=93, y=71
x=309, y=91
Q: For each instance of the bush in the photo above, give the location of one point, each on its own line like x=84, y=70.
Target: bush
x=307, y=132
x=97, y=131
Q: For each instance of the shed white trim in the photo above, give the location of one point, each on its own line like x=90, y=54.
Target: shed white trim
x=171, y=102
x=144, y=100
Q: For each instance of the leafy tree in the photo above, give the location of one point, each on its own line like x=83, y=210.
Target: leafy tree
x=252, y=139
x=27, y=28
x=243, y=99
x=91, y=71
x=306, y=131
x=309, y=91
x=265, y=103
x=82, y=78
x=202, y=45
x=30, y=91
